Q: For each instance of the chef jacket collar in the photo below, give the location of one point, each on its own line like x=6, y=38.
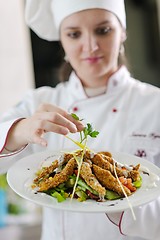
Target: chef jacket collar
x=116, y=80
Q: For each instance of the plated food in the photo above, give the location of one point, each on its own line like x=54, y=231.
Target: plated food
x=84, y=180
x=84, y=174
x=25, y=170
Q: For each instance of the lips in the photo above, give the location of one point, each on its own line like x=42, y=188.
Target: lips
x=92, y=59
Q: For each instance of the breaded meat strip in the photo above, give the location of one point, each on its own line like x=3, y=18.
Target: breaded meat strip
x=58, y=178
x=91, y=180
x=67, y=157
x=46, y=171
x=107, y=154
x=134, y=174
x=102, y=161
x=109, y=181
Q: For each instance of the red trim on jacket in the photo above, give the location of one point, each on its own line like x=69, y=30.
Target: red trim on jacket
x=119, y=224
x=10, y=153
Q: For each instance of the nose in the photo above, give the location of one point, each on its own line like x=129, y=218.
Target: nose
x=90, y=44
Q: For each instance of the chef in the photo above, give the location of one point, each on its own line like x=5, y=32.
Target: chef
x=101, y=90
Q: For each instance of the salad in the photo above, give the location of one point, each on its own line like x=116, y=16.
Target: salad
x=100, y=177
x=84, y=174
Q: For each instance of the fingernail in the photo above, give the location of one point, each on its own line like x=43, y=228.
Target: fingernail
x=80, y=126
x=64, y=131
x=73, y=129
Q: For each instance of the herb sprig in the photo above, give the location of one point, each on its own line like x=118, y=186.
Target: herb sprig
x=87, y=131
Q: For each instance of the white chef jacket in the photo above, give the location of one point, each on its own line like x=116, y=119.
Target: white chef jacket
x=127, y=117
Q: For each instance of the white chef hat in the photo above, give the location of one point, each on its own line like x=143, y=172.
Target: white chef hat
x=45, y=16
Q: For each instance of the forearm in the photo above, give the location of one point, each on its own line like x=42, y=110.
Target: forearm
x=15, y=138
x=5, y=128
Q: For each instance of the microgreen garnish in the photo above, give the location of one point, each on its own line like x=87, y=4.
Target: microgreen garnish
x=87, y=131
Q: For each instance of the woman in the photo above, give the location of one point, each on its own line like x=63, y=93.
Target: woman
x=101, y=90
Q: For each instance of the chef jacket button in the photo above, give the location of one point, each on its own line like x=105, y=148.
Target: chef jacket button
x=114, y=110
x=75, y=109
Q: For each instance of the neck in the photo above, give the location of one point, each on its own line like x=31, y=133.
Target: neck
x=92, y=92
x=97, y=81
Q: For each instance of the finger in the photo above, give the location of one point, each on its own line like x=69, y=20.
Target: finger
x=52, y=127
x=56, y=119
x=49, y=126
x=45, y=107
x=39, y=140
x=79, y=124
x=52, y=108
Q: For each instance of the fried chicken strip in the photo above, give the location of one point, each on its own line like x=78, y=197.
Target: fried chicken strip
x=107, y=154
x=102, y=161
x=109, y=181
x=134, y=174
x=67, y=157
x=46, y=171
x=91, y=180
x=58, y=178
x=105, y=164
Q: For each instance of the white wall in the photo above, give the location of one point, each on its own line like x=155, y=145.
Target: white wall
x=16, y=68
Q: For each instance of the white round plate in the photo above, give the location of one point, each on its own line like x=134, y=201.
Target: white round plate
x=22, y=173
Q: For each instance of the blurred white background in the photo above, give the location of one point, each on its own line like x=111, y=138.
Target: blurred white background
x=16, y=77
x=16, y=69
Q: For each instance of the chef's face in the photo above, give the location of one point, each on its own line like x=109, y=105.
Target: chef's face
x=91, y=40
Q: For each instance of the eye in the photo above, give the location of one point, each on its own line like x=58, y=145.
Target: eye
x=74, y=34
x=103, y=30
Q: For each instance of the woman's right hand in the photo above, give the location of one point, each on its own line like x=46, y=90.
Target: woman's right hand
x=47, y=118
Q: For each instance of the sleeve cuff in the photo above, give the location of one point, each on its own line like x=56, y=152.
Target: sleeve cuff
x=5, y=128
